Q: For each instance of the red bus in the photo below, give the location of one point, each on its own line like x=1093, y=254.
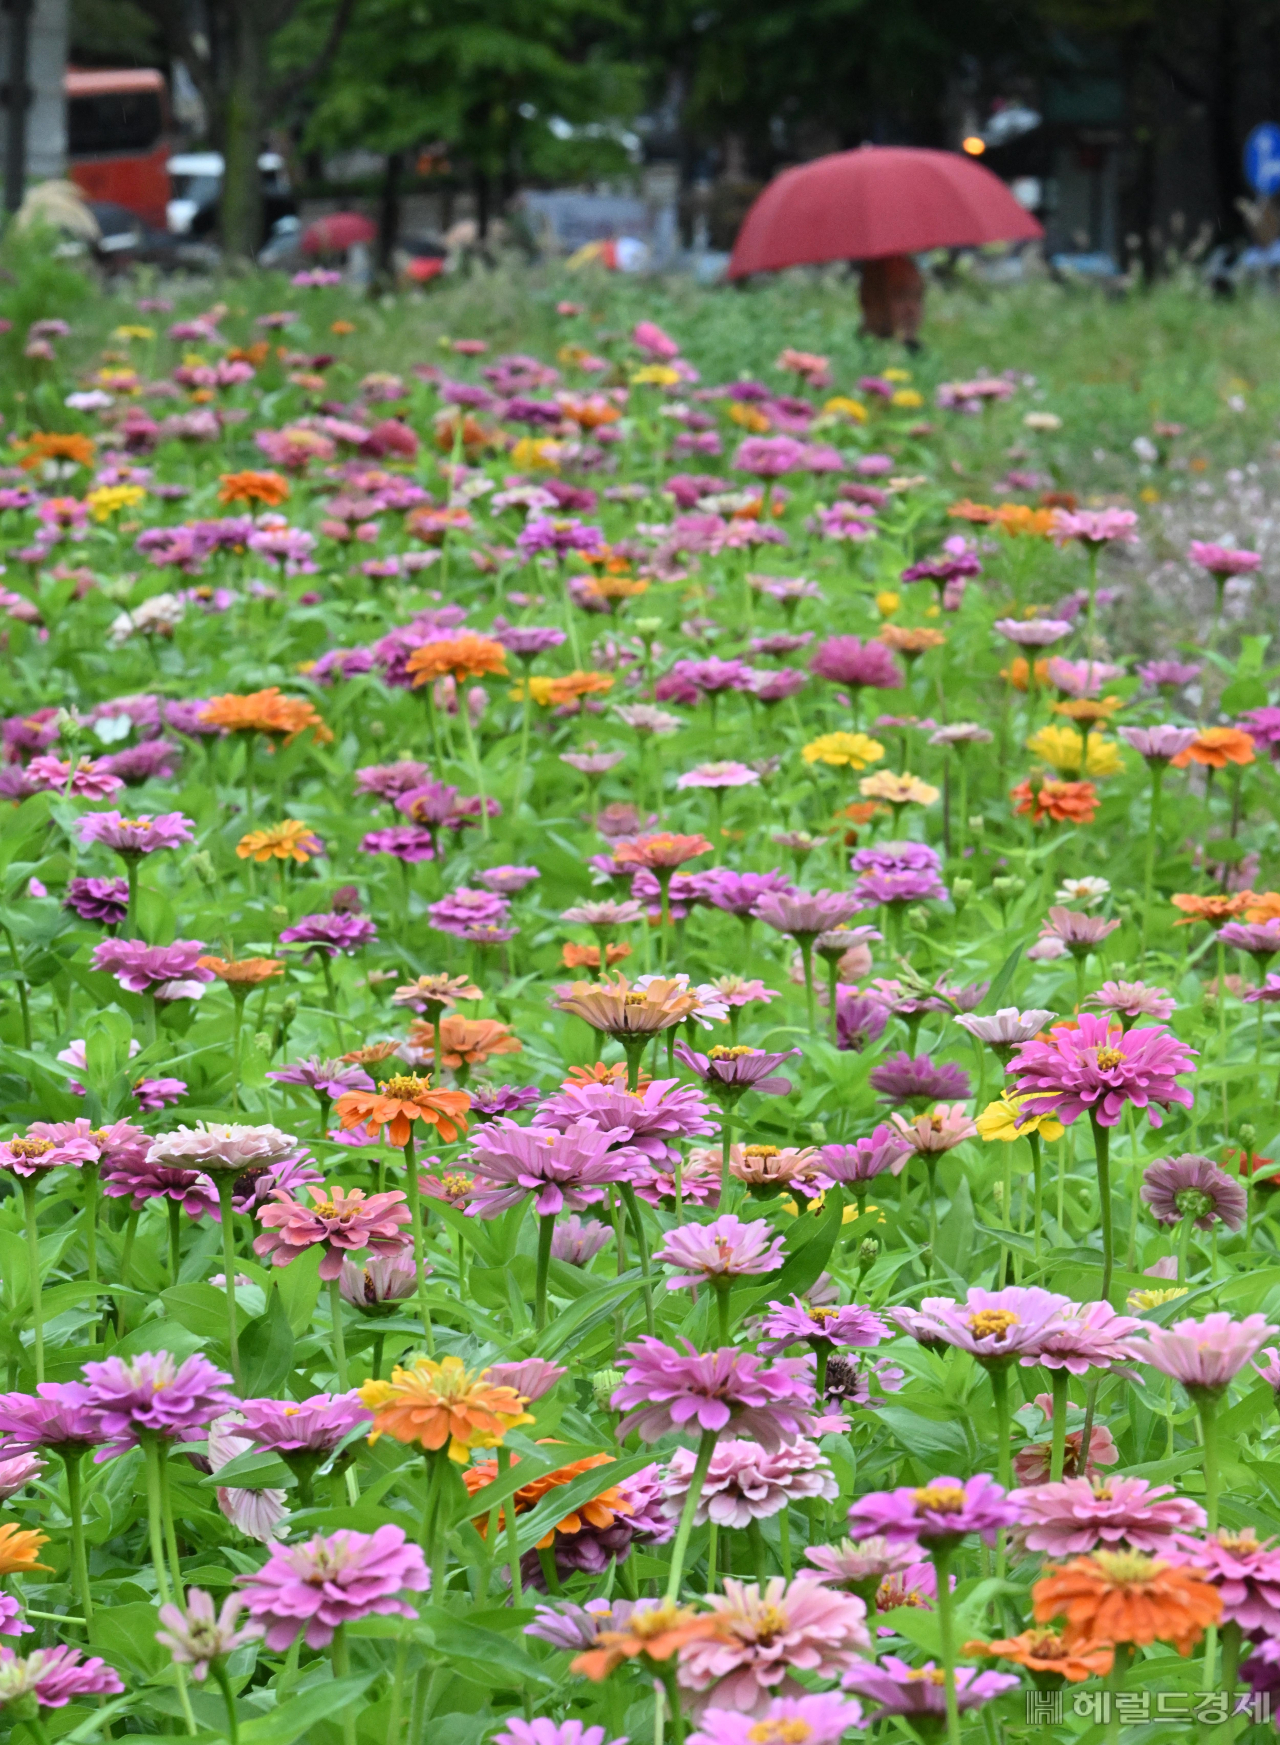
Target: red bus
x=118, y=140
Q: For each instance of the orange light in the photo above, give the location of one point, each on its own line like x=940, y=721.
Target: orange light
x=974, y=144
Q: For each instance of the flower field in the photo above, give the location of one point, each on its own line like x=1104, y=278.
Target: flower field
x=635, y=1024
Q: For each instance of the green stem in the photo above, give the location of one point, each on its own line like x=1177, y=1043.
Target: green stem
x=75, y=1509
x=546, y=1230
x=33, y=1263
x=226, y=1188
x=1060, y=1380
x=513, y=1543
x=174, y=1209
x=219, y=1672
x=706, y=1448
x=628, y=1193
x=724, y=1332
x=476, y=767
x=89, y=1176
x=805, y=942
x=339, y=1335
x=166, y=1510
x=341, y=1657
x=1208, y=1408
x=1148, y=877
x=1000, y=1389
x=1184, y=1245
x=1102, y=1156
x=238, y=998
x=1033, y=1140
x=947, y=1639
x=155, y=1515
x=413, y=1193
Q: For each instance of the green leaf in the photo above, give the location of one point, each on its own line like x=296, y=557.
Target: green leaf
x=805, y=1263
x=1009, y=969
x=299, y=1288
x=564, y=1499
x=506, y=1661
x=923, y=1436
x=955, y=1238
x=305, y=1709
x=266, y=1348
x=588, y=1312
x=255, y=1470
x=201, y=1309
x=127, y=1636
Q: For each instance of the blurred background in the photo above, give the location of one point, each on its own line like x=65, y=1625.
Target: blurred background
x=403, y=138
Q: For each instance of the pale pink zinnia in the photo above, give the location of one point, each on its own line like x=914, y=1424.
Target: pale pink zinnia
x=1086, y=1336
x=726, y=1248
x=746, y=1483
x=1246, y=1572
x=1077, y=1516
x=1205, y=1356
x=948, y=1126
x=768, y=1636
x=994, y=1326
x=323, y=1583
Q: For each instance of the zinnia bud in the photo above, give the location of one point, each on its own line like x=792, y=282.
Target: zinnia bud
x=604, y=1384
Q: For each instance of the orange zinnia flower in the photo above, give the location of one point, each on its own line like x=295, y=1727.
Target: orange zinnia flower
x=290, y=840
x=370, y=1056
x=1016, y=519
x=1045, y=1651
x=465, y=657
x=1262, y=906
x=251, y=487
x=906, y=641
x=43, y=445
x=254, y=354
x=1217, y=747
x=438, y=990
x=264, y=712
x=18, y=1547
x=599, y=1512
x=654, y=1635
x=588, y=956
x=1089, y=709
x=626, y=1012
x=1126, y=1596
x=1061, y=802
x=442, y=1405
x=600, y=1074
x=243, y=972
x=465, y=1041
x=979, y=513
x=570, y=686
x=666, y=851
x=1018, y=673
x=1215, y=910
x=400, y=1102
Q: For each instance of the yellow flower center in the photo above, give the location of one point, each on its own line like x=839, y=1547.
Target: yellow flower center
x=648, y=1624
x=640, y=999
x=939, y=1499
x=992, y=1323
x=30, y=1147
x=736, y=1053
x=761, y=1151
x=1125, y=1568
x=926, y=1675
x=456, y=1185
x=792, y=1732
x=770, y=1621
x=1109, y=1057
x=406, y=1086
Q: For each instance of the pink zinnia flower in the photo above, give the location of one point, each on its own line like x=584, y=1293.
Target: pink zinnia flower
x=381, y=1281
x=134, y=837
x=1159, y=745
x=665, y=1390
x=542, y=1730
x=339, y=1220
x=1223, y=560
x=1132, y=1000
x=918, y=1693
x=848, y=661
x=1246, y=1572
x=17, y=1471
x=767, y=1635
x=818, y=1718
x=1096, y=1069
x=1095, y=526
x=866, y=1158
x=198, y=1636
x=1031, y=1465
x=88, y=781
x=312, y=1426
x=1084, y=1336
x=795, y=1322
x=318, y=1586
x=532, y=1376
x=1075, y=1516
x=568, y=1169
x=726, y=1248
x=1033, y=632
x=170, y=972
x=258, y=1515
x=153, y=1394
x=948, y=1126
x=854, y=1563
x=993, y=1326
x=58, y=1416
x=746, y=1483
x=54, y=1677
x=941, y=1513
x=1205, y=1356
x=1194, y=1187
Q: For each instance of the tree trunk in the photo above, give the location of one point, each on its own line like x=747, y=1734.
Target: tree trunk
x=242, y=124
x=389, y=212
x=482, y=205
x=1224, y=149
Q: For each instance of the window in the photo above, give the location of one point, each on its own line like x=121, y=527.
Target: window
x=114, y=121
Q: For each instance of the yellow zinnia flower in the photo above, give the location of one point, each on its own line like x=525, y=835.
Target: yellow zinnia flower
x=1060, y=746
x=856, y=750
x=655, y=376
x=108, y=500
x=908, y=399
x=843, y=407
x=887, y=602
x=903, y=790
x=1004, y=1120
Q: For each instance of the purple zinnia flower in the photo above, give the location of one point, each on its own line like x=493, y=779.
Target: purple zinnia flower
x=155, y=1094
x=151, y=1394
x=1079, y=1515
x=1159, y=745
x=508, y=881
x=653, y=1119
x=728, y=1073
x=918, y=1692
x=848, y=661
x=330, y=933
x=58, y=1415
x=54, y=1677
x=1166, y=675
x=488, y=1105
x=576, y=1240
x=328, y=1078
x=104, y=900
x=326, y=1582
x=860, y=1018
x=405, y=841
x=940, y=1513
x=917, y=1083
x=466, y=908
x=170, y=972
x=568, y=1169
x=311, y=1426
x=1194, y=1187
x=134, y=837
x=866, y=1158
x=795, y=1322
x=667, y=1391
x=737, y=893
x=389, y=780
x=1096, y=1069
x=804, y=914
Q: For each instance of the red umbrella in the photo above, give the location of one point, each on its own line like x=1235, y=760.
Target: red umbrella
x=880, y=200
x=337, y=233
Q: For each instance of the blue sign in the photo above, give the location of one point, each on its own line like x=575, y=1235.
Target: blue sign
x=1262, y=158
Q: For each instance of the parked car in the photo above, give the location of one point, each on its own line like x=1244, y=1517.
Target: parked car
x=195, y=179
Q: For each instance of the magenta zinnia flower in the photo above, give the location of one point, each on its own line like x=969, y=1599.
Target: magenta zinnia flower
x=103, y=900
x=58, y=1416
x=993, y=1326
x=170, y=972
x=918, y=1082
x=1205, y=1356
x=866, y=1158
x=746, y=1483
x=770, y=1633
x=54, y=1677
x=152, y=1394
x=315, y=1425
x=844, y=1325
x=1245, y=1571
x=327, y=1582
x=1097, y=1069
x=942, y=1512
x=653, y=1118
x=569, y=1169
x=541, y=1730
x=728, y=1073
x=134, y=837
x=848, y=661
x=665, y=1390
x=340, y=1220
x=1194, y=1187
x=1077, y=1515
x=330, y=934
x=725, y=1249
x=1084, y=1336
